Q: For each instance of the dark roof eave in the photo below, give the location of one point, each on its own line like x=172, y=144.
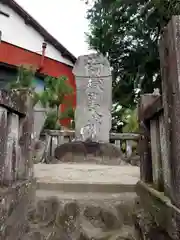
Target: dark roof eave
x=47, y=36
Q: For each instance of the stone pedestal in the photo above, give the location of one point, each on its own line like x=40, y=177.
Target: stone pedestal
x=93, y=114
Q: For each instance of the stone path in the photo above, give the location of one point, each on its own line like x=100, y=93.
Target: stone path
x=86, y=177
x=82, y=216
x=84, y=202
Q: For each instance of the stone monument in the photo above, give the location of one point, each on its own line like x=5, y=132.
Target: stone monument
x=93, y=114
x=94, y=98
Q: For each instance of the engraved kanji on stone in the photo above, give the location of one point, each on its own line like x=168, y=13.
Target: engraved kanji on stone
x=95, y=83
x=92, y=103
x=94, y=96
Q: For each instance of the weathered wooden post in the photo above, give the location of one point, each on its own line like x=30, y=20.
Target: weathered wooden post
x=170, y=70
x=16, y=164
x=144, y=145
x=162, y=119
x=165, y=123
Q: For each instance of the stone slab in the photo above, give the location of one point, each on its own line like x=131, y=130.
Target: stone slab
x=93, y=97
x=86, y=178
x=85, y=187
x=88, y=197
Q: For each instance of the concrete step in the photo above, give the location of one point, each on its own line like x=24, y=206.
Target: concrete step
x=83, y=202
x=79, y=187
x=86, y=178
x=86, y=197
x=79, y=216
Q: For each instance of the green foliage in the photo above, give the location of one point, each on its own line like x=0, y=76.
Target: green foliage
x=56, y=89
x=24, y=80
x=52, y=122
x=69, y=113
x=127, y=32
x=131, y=121
x=24, y=77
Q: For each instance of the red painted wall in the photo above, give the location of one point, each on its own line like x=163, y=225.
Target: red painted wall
x=13, y=55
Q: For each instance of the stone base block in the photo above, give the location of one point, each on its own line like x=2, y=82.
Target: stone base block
x=94, y=152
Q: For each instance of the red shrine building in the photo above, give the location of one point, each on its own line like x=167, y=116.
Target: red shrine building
x=24, y=41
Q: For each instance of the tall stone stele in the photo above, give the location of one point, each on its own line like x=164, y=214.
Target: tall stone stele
x=94, y=98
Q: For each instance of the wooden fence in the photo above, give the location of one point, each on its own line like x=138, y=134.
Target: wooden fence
x=16, y=166
x=159, y=188
x=126, y=142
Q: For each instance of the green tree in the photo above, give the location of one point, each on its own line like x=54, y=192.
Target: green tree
x=55, y=93
x=24, y=80
x=127, y=32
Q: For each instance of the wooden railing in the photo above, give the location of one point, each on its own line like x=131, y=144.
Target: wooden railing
x=159, y=188
x=126, y=142
x=152, y=144
x=16, y=163
x=154, y=188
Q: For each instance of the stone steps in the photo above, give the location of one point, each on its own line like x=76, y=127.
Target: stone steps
x=80, y=187
x=88, y=196
x=79, y=216
x=83, y=202
x=86, y=178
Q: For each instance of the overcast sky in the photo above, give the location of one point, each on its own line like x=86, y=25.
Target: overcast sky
x=64, y=19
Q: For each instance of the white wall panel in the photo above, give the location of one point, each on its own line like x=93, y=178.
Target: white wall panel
x=15, y=31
